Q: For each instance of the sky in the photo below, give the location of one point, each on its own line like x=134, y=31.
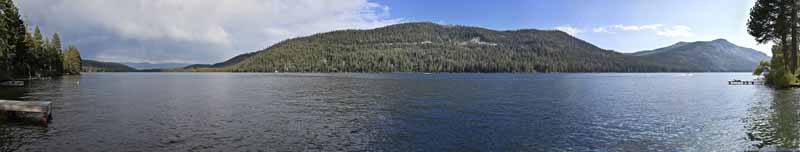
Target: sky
x=210, y=31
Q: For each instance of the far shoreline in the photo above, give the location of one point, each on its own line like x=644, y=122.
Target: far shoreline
x=423, y=72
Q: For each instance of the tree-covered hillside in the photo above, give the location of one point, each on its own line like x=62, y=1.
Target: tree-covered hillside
x=97, y=66
x=429, y=47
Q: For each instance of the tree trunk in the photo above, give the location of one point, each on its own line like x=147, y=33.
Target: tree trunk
x=793, y=51
x=785, y=50
x=29, y=72
x=793, y=29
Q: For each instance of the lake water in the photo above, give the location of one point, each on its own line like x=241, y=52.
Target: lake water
x=404, y=112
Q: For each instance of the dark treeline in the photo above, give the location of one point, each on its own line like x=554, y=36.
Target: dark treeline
x=428, y=47
x=98, y=66
x=25, y=54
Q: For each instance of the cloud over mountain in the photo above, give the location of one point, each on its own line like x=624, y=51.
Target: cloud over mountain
x=193, y=31
x=659, y=29
x=569, y=29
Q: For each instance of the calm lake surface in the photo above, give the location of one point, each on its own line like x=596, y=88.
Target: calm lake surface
x=404, y=112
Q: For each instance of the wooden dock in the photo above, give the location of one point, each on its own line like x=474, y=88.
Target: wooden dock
x=743, y=82
x=43, y=107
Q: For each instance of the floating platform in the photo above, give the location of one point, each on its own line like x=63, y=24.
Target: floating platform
x=743, y=82
x=42, y=107
x=12, y=83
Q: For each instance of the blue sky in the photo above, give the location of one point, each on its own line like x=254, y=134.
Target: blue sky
x=191, y=31
x=697, y=20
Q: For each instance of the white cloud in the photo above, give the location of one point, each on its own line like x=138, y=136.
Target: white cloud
x=620, y=27
x=601, y=30
x=658, y=29
x=639, y=27
x=569, y=29
x=191, y=30
x=676, y=31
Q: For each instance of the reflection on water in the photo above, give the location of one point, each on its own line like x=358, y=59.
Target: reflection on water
x=404, y=112
x=773, y=122
x=14, y=136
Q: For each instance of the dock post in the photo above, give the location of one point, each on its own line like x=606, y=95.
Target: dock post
x=48, y=116
x=45, y=119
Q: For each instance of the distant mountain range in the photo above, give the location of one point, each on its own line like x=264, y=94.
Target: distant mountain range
x=711, y=56
x=429, y=47
x=147, y=65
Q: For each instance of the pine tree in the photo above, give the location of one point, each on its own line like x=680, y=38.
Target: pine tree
x=5, y=52
x=15, y=37
x=36, y=43
x=37, y=35
x=55, y=42
x=774, y=21
x=23, y=53
x=72, y=60
x=55, y=52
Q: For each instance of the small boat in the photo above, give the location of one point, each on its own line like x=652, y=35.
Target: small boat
x=12, y=83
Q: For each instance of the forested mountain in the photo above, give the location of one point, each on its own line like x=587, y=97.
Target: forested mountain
x=429, y=47
x=232, y=61
x=97, y=66
x=712, y=56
